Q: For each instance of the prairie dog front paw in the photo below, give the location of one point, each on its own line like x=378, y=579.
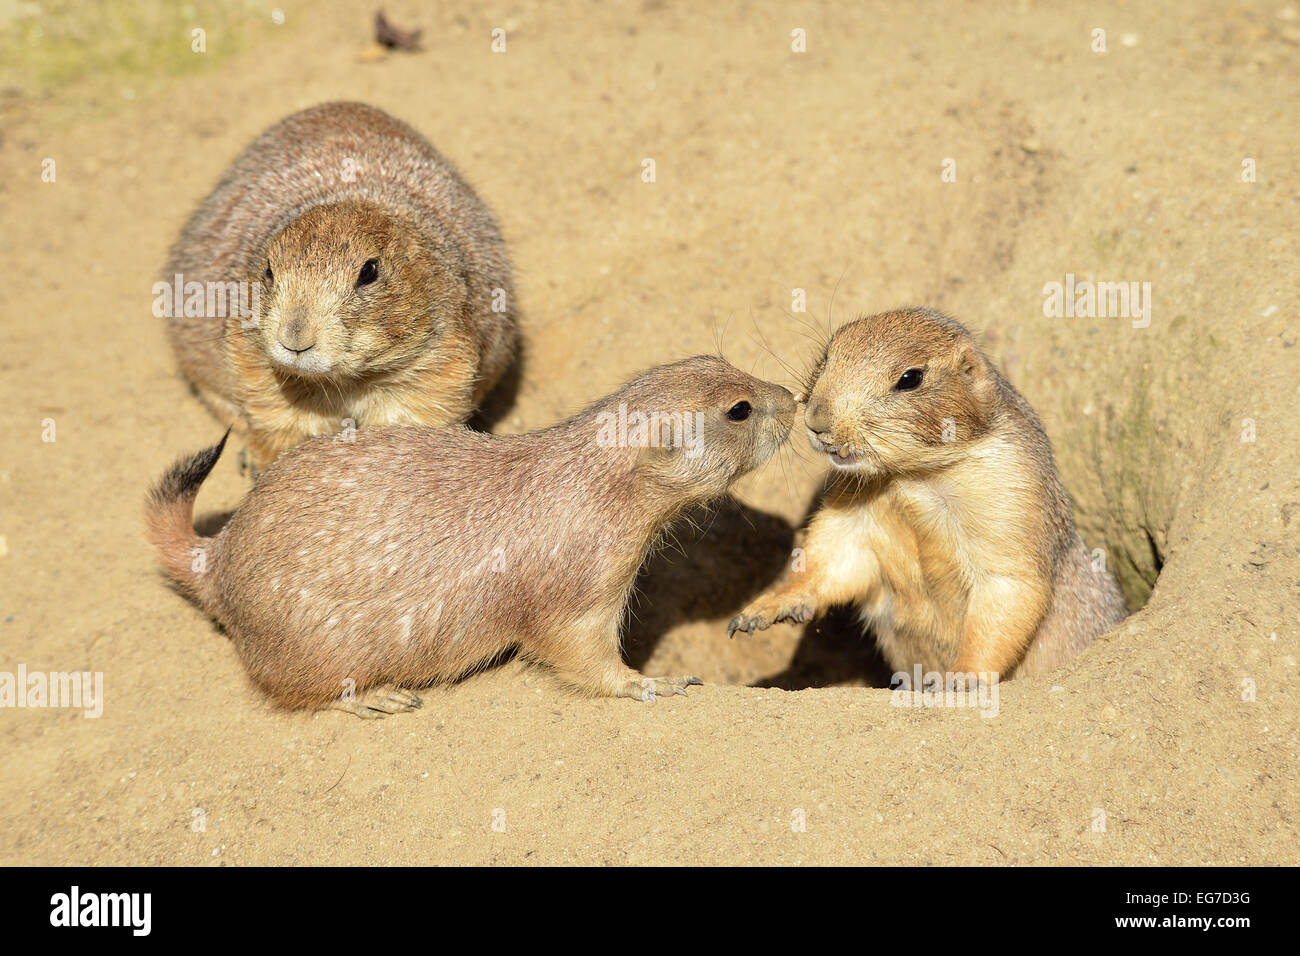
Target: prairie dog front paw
x=773, y=608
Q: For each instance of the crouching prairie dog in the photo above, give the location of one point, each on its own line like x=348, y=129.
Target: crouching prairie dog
x=945, y=522
x=417, y=554
x=361, y=281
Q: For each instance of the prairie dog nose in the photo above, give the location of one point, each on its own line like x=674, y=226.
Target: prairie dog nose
x=296, y=335
x=782, y=401
x=817, y=417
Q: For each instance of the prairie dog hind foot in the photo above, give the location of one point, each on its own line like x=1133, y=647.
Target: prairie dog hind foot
x=379, y=702
x=649, y=689
x=610, y=677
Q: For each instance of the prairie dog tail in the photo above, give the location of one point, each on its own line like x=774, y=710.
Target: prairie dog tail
x=169, y=513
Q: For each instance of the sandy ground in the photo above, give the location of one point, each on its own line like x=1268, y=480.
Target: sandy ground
x=1172, y=740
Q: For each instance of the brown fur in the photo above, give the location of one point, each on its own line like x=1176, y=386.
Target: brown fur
x=961, y=554
x=411, y=555
x=421, y=344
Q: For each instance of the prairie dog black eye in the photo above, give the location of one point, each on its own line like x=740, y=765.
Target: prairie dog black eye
x=269, y=277
x=739, y=412
x=369, y=272
x=908, y=380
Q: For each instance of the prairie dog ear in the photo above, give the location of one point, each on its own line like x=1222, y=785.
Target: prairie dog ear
x=970, y=364
x=655, y=457
x=654, y=438
x=669, y=438
x=974, y=371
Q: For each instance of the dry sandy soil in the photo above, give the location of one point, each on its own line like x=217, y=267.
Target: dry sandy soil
x=776, y=170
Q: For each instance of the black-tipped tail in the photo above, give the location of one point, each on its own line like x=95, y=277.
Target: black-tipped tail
x=170, y=516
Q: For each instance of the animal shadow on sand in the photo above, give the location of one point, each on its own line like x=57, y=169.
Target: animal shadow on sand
x=501, y=400
x=717, y=560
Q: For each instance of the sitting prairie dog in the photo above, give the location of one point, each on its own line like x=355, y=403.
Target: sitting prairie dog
x=945, y=522
x=383, y=295
x=412, y=555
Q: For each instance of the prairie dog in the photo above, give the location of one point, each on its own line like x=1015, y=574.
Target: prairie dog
x=945, y=522
x=416, y=554
x=383, y=288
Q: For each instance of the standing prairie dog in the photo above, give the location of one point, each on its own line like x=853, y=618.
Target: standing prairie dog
x=383, y=295
x=945, y=522
x=412, y=555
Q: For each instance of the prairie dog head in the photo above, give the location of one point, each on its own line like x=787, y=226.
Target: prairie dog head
x=899, y=392
x=699, y=423
x=348, y=289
